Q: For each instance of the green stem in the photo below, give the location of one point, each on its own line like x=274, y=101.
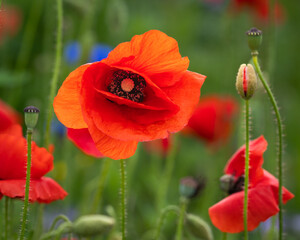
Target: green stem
x=39, y=222
x=6, y=218
x=224, y=236
x=183, y=206
x=123, y=198
x=103, y=175
x=162, y=217
x=280, y=146
x=55, y=71
x=246, y=185
x=58, y=218
x=26, y=199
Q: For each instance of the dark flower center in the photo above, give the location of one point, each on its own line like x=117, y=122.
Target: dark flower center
x=237, y=186
x=127, y=84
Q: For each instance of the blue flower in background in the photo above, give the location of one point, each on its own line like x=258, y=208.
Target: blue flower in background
x=72, y=52
x=58, y=128
x=99, y=52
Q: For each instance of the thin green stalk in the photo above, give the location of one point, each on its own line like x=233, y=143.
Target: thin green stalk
x=103, y=175
x=26, y=199
x=123, y=198
x=246, y=171
x=6, y=218
x=280, y=137
x=55, y=71
x=58, y=218
x=162, y=217
x=39, y=222
x=179, y=230
x=224, y=236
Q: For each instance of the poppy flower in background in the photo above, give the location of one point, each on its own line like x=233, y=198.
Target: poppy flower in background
x=141, y=92
x=261, y=8
x=8, y=118
x=213, y=118
x=13, y=150
x=160, y=146
x=227, y=215
x=10, y=21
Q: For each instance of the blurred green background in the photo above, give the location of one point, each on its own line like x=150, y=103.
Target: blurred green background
x=213, y=36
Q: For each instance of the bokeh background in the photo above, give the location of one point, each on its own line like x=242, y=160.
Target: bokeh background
x=212, y=34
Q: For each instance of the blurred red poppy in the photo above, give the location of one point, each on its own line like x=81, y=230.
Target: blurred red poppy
x=261, y=8
x=141, y=92
x=213, y=118
x=13, y=161
x=227, y=215
x=160, y=146
x=10, y=20
x=8, y=117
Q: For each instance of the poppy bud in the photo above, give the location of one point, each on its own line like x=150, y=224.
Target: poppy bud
x=190, y=187
x=246, y=81
x=92, y=225
x=254, y=39
x=198, y=227
x=31, y=116
x=226, y=182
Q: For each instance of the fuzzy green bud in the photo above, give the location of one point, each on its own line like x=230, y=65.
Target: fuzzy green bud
x=198, y=227
x=31, y=117
x=254, y=39
x=92, y=225
x=246, y=81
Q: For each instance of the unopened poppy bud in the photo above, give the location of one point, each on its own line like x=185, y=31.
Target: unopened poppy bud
x=198, y=227
x=246, y=81
x=92, y=225
x=190, y=187
x=31, y=116
x=254, y=39
x=226, y=182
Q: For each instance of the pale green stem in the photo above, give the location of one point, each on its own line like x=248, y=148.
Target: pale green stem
x=6, y=218
x=103, y=175
x=26, y=199
x=162, y=217
x=39, y=222
x=280, y=146
x=123, y=198
x=179, y=230
x=55, y=71
x=224, y=236
x=58, y=218
x=246, y=185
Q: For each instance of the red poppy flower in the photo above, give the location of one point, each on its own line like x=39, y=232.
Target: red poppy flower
x=13, y=171
x=261, y=8
x=227, y=215
x=8, y=117
x=160, y=146
x=213, y=119
x=141, y=92
x=10, y=19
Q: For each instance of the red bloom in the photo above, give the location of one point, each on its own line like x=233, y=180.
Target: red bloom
x=261, y=8
x=8, y=117
x=141, y=92
x=160, y=146
x=213, y=118
x=13, y=171
x=227, y=215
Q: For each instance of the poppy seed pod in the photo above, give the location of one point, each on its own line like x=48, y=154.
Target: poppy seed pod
x=226, y=182
x=254, y=39
x=190, y=187
x=246, y=81
x=198, y=227
x=92, y=225
x=31, y=116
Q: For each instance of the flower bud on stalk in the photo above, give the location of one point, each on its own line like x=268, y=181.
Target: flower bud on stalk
x=198, y=227
x=254, y=40
x=246, y=81
x=31, y=117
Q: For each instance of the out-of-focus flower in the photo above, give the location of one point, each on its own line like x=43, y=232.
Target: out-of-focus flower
x=227, y=215
x=58, y=128
x=213, y=118
x=141, y=92
x=72, y=52
x=99, y=52
x=190, y=187
x=260, y=9
x=160, y=146
x=8, y=118
x=10, y=21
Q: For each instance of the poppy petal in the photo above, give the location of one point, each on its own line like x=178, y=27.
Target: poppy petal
x=67, y=101
x=42, y=190
x=8, y=116
x=110, y=147
x=83, y=140
x=236, y=165
x=227, y=215
x=153, y=53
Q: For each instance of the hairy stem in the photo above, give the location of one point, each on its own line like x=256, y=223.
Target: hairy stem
x=55, y=71
x=6, y=219
x=26, y=199
x=179, y=230
x=246, y=171
x=280, y=137
x=123, y=198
